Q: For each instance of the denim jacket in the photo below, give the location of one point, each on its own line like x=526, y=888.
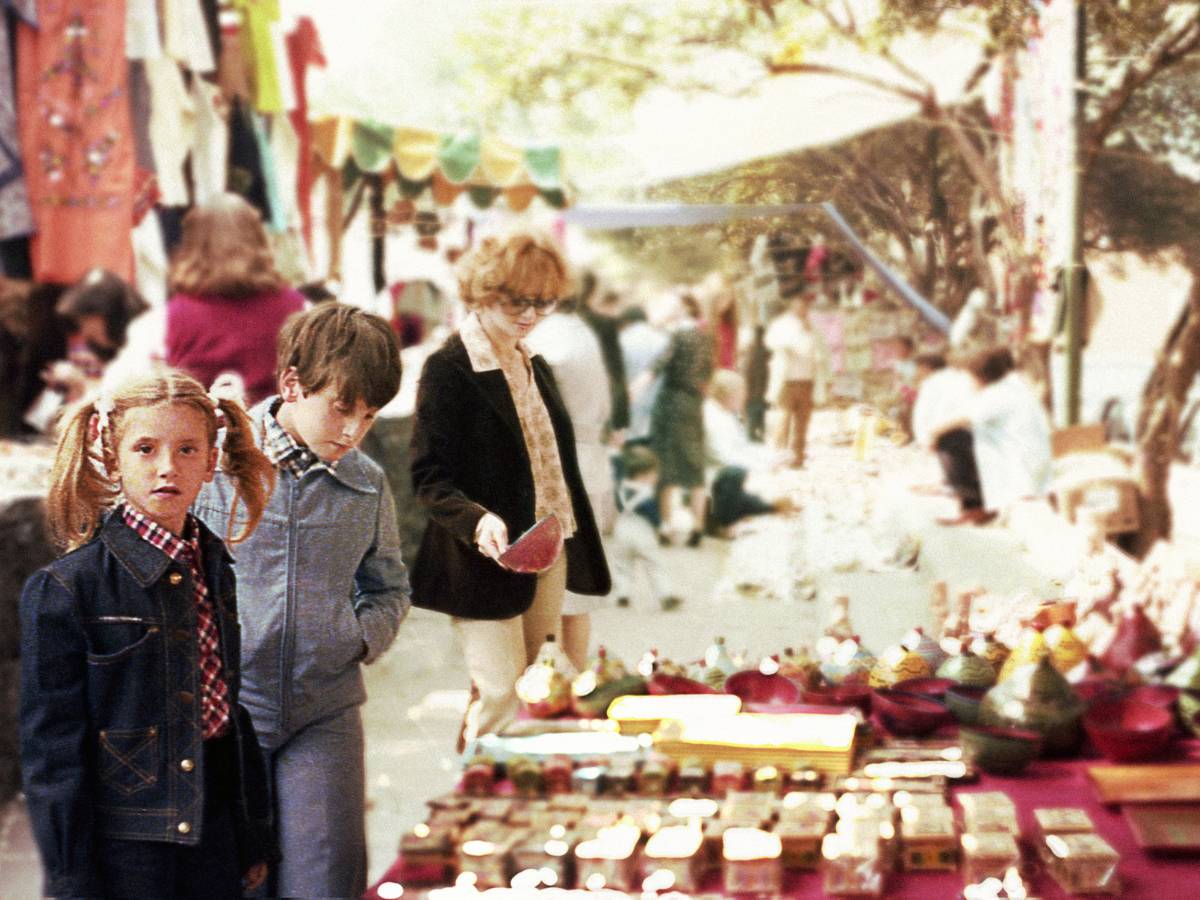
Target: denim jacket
x=323, y=588
x=111, y=741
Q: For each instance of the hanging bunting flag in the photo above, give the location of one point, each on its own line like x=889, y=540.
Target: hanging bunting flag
x=416, y=152
x=458, y=156
x=371, y=146
x=501, y=163
x=544, y=165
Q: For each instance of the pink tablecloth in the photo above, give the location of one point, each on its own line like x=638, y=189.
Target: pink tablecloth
x=1046, y=783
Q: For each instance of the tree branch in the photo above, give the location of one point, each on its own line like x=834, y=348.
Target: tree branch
x=881, y=84
x=1168, y=49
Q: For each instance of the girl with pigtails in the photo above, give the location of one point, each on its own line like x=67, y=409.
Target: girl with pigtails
x=142, y=771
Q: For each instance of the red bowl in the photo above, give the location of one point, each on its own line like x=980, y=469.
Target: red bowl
x=1096, y=690
x=1162, y=695
x=755, y=687
x=909, y=715
x=661, y=684
x=858, y=695
x=927, y=687
x=1125, y=730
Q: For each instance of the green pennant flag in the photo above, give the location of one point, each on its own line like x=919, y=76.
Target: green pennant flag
x=458, y=156
x=371, y=146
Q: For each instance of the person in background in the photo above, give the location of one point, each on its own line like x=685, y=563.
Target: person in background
x=796, y=367
x=635, y=543
x=643, y=342
x=734, y=456
x=228, y=300
x=722, y=320
x=945, y=395
x=55, y=344
x=573, y=351
x=324, y=589
x=1011, y=431
x=493, y=452
x=677, y=422
x=141, y=769
x=904, y=376
x=598, y=310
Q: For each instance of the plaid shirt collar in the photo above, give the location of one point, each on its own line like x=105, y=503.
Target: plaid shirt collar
x=285, y=451
x=185, y=549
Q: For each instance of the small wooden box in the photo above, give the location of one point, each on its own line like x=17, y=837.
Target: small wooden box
x=988, y=811
x=989, y=854
x=549, y=849
x=929, y=838
x=801, y=841
x=1062, y=820
x=851, y=867
x=1083, y=863
x=679, y=850
x=752, y=861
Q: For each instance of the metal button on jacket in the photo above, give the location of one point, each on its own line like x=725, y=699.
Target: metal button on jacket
x=187, y=765
x=184, y=827
x=175, y=578
x=185, y=697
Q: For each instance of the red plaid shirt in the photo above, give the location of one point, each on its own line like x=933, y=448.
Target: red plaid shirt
x=214, y=692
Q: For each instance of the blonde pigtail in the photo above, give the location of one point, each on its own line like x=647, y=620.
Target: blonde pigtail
x=79, y=488
x=251, y=471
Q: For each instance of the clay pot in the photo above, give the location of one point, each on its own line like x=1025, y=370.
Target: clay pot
x=1031, y=647
x=898, y=664
x=1037, y=698
x=1186, y=675
x=989, y=648
x=800, y=667
x=544, y=690
x=933, y=688
x=969, y=669
x=849, y=663
x=1124, y=730
x=964, y=702
x=1067, y=650
x=925, y=646
x=908, y=715
x=858, y=695
x=1000, y=751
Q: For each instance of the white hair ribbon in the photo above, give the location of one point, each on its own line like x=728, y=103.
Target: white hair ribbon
x=103, y=405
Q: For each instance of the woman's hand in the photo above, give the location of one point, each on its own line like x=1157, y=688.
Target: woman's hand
x=254, y=877
x=491, y=536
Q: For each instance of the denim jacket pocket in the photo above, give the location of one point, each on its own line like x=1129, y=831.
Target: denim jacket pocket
x=129, y=758
x=113, y=638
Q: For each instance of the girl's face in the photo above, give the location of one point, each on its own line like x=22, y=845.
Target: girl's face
x=163, y=458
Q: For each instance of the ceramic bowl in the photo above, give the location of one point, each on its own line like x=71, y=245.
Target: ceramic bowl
x=1125, y=730
x=999, y=751
x=857, y=695
x=661, y=684
x=1095, y=690
x=755, y=687
x=934, y=688
x=1163, y=695
x=908, y=715
x=963, y=703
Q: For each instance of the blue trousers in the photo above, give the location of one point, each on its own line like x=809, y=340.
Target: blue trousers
x=318, y=787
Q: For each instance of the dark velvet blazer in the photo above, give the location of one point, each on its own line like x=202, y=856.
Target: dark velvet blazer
x=468, y=458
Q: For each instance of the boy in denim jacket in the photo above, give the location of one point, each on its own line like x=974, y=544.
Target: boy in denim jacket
x=324, y=586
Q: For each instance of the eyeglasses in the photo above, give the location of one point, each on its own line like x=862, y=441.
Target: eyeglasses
x=516, y=306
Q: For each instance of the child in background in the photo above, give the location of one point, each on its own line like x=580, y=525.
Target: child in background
x=324, y=586
x=635, y=537
x=142, y=772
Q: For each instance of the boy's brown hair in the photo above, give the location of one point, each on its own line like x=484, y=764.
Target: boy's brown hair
x=340, y=345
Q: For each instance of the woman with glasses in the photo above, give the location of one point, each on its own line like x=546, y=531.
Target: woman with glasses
x=493, y=452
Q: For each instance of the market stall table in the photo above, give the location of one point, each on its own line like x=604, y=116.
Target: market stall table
x=1047, y=783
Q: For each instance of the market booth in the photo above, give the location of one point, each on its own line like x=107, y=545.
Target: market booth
x=1066, y=763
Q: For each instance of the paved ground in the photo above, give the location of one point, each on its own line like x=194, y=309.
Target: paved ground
x=417, y=689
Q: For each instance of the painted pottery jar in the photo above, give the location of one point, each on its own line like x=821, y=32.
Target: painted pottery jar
x=800, y=667
x=968, y=669
x=1031, y=647
x=897, y=664
x=544, y=690
x=1067, y=650
x=850, y=663
x=1136, y=637
x=986, y=646
x=1037, y=698
x=924, y=645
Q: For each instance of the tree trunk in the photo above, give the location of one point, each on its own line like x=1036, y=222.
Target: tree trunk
x=1158, y=432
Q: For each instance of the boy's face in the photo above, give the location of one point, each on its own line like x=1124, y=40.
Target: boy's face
x=163, y=458
x=320, y=420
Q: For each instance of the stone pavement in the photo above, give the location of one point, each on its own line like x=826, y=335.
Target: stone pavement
x=417, y=690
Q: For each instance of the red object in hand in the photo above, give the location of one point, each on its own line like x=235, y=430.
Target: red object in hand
x=537, y=549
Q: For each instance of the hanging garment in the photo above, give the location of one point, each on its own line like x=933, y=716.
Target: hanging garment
x=258, y=43
x=16, y=218
x=172, y=128
x=74, y=122
x=210, y=141
x=245, y=160
x=274, y=219
x=304, y=50
x=185, y=35
x=285, y=154
x=142, y=39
